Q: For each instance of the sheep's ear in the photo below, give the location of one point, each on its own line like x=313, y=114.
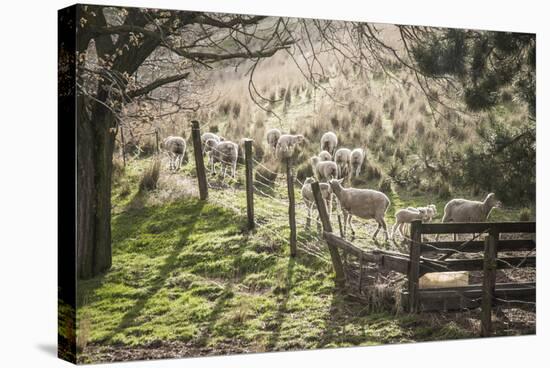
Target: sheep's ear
x=340, y=180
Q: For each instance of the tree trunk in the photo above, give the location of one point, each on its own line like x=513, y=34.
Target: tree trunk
x=94, y=168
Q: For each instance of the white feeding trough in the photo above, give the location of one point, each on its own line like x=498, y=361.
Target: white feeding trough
x=444, y=279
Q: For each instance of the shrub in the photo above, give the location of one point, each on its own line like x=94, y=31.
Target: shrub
x=150, y=177
x=373, y=171
x=385, y=185
x=525, y=214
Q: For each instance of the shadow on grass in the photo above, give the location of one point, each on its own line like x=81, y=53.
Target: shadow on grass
x=281, y=307
x=163, y=273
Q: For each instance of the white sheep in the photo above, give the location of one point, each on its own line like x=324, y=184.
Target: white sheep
x=226, y=153
x=175, y=146
x=309, y=199
x=286, y=144
x=205, y=137
x=357, y=158
x=465, y=210
x=324, y=170
x=363, y=203
x=342, y=157
x=272, y=137
x=406, y=216
x=325, y=156
x=431, y=211
x=329, y=141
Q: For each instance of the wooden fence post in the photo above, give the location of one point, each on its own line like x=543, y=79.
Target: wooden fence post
x=291, y=207
x=414, y=265
x=489, y=279
x=199, y=161
x=249, y=183
x=157, y=140
x=327, y=227
x=123, y=146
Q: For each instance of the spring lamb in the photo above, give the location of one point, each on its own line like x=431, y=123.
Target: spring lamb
x=406, y=216
x=342, y=157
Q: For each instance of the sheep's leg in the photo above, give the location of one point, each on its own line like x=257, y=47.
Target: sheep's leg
x=385, y=226
x=350, y=226
x=393, y=230
x=234, y=168
x=377, y=230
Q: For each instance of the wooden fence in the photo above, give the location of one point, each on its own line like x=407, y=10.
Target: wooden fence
x=415, y=264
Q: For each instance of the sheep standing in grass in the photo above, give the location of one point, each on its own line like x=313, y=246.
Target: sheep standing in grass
x=363, y=203
x=207, y=136
x=226, y=153
x=324, y=170
x=175, y=146
x=329, y=141
x=286, y=144
x=272, y=137
x=406, y=216
x=357, y=158
x=342, y=157
x=465, y=210
x=309, y=200
x=324, y=156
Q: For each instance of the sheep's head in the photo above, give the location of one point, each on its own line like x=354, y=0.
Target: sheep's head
x=309, y=180
x=299, y=139
x=491, y=201
x=314, y=160
x=210, y=144
x=433, y=209
x=423, y=214
x=335, y=183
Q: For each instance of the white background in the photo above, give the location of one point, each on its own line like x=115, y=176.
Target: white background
x=28, y=180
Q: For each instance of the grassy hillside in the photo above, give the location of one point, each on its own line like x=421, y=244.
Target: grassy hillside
x=188, y=279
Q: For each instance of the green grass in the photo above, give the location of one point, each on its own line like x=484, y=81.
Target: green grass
x=188, y=271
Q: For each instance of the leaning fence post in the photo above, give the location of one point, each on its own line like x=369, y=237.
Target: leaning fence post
x=489, y=279
x=199, y=162
x=327, y=227
x=414, y=265
x=291, y=207
x=249, y=183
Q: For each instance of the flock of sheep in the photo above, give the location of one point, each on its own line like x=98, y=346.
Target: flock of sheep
x=331, y=167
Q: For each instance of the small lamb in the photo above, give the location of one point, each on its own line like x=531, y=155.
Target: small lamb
x=342, y=157
x=329, y=141
x=324, y=170
x=364, y=203
x=465, y=210
x=175, y=146
x=226, y=153
x=357, y=159
x=272, y=137
x=431, y=211
x=309, y=200
x=325, y=156
x=406, y=216
x=286, y=144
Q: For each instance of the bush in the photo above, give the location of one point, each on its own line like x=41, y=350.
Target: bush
x=150, y=177
x=385, y=185
x=525, y=214
x=373, y=171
